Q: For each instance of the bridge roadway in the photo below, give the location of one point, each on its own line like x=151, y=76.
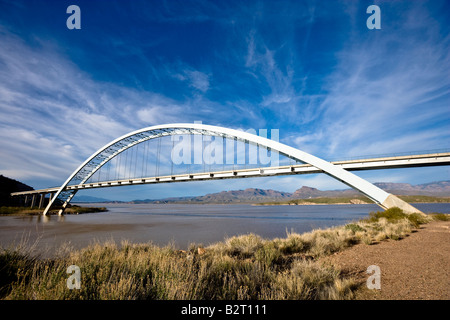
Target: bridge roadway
x=423, y=160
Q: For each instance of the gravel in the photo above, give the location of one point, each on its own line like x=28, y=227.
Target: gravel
x=413, y=268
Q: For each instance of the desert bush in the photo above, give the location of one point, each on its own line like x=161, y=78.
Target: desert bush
x=440, y=216
x=354, y=227
x=395, y=214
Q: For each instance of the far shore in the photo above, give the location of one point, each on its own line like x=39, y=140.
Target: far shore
x=321, y=204
x=84, y=207
x=309, y=201
x=24, y=211
x=349, y=200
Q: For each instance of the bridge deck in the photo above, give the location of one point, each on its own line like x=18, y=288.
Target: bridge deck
x=435, y=159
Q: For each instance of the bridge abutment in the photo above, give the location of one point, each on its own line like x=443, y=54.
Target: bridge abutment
x=394, y=201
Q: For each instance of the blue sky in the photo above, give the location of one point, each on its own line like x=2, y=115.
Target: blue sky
x=311, y=69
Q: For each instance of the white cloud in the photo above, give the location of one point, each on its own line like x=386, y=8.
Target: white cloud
x=199, y=80
x=195, y=79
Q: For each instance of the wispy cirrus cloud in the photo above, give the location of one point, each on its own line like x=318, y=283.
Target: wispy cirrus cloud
x=53, y=115
x=389, y=92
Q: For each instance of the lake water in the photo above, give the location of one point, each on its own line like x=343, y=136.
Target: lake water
x=180, y=224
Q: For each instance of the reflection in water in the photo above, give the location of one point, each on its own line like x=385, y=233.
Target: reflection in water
x=45, y=219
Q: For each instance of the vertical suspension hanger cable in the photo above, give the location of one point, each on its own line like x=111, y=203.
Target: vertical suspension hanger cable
x=118, y=162
x=223, y=153
x=258, y=163
x=158, y=151
x=99, y=174
x=125, y=171
x=144, y=158
x=209, y=153
x=235, y=155
x=191, y=136
x=147, y=157
x=171, y=160
x=203, y=154
x=109, y=170
x=136, y=157
x=123, y=164
x=130, y=167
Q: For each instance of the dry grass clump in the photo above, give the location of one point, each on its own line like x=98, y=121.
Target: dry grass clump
x=307, y=280
x=240, y=267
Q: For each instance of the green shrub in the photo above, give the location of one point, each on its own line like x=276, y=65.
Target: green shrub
x=354, y=227
x=417, y=219
x=440, y=216
x=396, y=214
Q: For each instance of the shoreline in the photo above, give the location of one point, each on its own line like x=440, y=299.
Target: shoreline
x=281, y=203
x=339, y=200
x=24, y=212
x=307, y=204
x=328, y=204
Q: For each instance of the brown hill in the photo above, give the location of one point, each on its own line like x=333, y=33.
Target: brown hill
x=7, y=186
x=253, y=195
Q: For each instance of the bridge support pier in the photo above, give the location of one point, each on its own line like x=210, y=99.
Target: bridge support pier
x=66, y=203
x=33, y=200
x=51, y=195
x=41, y=201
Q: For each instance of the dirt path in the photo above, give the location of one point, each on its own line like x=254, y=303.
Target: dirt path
x=414, y=268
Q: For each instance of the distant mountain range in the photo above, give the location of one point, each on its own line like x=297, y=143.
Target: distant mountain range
x=252, y=195
x=89, y=199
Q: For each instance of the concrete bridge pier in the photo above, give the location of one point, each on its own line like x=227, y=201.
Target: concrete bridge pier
x=51, y=195
x=41, y=201
x=33, y=200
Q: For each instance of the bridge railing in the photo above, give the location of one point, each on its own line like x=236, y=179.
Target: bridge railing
x=391, y=155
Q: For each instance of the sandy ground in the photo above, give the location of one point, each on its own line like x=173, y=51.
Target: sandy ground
x=414, y=268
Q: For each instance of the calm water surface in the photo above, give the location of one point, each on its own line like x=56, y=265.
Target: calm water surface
x=180, y=224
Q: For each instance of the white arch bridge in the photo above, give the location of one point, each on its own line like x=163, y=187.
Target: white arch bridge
x=79, y=179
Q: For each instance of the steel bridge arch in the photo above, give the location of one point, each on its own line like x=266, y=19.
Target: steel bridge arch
x=115, y=147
